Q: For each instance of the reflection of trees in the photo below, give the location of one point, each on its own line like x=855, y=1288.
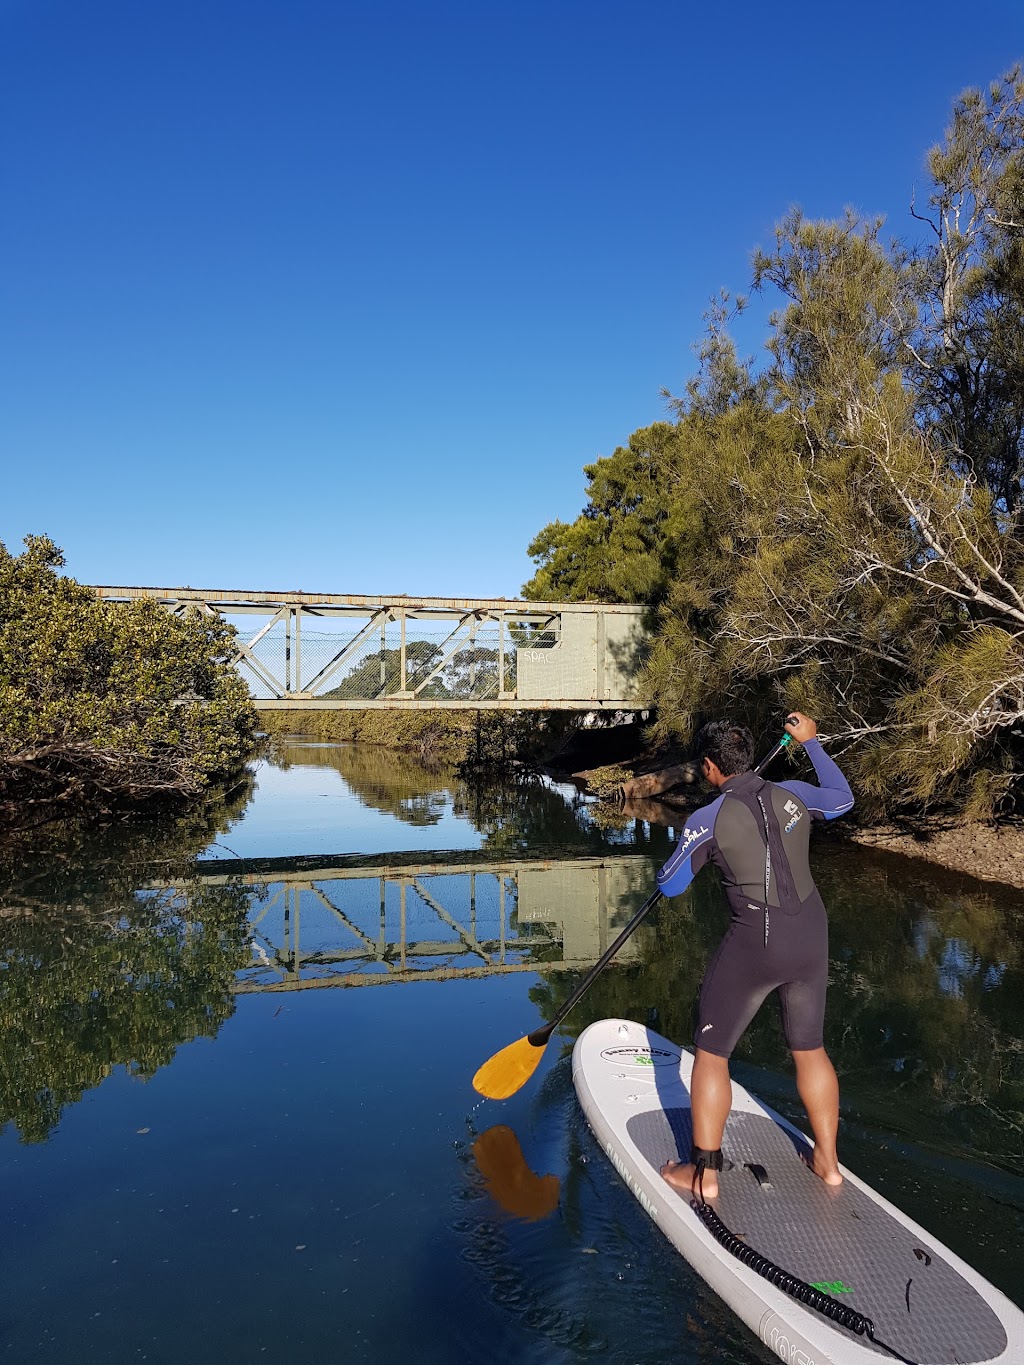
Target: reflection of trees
x=82, y=995
x=386, y=780
x=516, y=812
x=929, y=976
x=95, y=974
x=81, y=865
x=529, y=814
x=923, y=1019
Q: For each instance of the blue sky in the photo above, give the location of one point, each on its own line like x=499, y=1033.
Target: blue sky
x=335, y=296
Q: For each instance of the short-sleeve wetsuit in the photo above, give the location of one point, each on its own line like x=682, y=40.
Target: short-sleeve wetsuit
x=757, y=833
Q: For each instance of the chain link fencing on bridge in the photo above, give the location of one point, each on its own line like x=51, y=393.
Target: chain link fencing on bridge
x=475, y=661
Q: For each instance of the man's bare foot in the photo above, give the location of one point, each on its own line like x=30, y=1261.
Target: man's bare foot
x=825, y=1170
x=680, y=1176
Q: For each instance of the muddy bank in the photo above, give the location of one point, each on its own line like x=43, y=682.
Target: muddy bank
x=990, y=853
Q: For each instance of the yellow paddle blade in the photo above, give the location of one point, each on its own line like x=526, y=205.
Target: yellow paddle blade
x=509, y=1180
x=508, y=1070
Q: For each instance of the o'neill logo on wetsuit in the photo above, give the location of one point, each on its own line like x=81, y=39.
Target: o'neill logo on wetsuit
x=691, y=836
x=795, y=812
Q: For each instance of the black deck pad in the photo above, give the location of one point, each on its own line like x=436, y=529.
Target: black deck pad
x=837, y=1239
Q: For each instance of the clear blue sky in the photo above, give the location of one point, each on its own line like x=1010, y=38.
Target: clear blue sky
x=343, y=296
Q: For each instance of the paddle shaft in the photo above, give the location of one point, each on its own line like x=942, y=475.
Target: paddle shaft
x=540, y=1036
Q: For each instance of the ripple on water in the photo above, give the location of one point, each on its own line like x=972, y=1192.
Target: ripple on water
x=595, y=1278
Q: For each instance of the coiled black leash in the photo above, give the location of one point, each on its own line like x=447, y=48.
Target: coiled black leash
x=774, y=1274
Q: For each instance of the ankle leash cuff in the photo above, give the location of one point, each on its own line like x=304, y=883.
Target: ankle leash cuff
x=706, y=1159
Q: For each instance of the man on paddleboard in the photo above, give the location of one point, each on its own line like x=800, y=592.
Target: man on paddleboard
x=757, y=833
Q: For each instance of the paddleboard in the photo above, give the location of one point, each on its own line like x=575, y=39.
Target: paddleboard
x=847, y=1242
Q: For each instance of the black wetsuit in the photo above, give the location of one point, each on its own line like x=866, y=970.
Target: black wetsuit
x=757, y=833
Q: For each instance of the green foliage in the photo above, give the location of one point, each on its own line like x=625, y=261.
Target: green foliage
x=611, y=552
x=443, y=735
x=381, y=671
x=606, y=781
x=842, y=533
x=972, y=282
x=470, y=673
x=102, y=703
x=470, y=738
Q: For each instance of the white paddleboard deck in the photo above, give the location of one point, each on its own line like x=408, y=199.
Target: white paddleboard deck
x=633, y=1086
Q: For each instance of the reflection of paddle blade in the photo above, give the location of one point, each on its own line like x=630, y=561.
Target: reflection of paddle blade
x=508, y=1070
x=510, y=1182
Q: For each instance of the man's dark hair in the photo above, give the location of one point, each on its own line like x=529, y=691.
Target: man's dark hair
x=729, y=746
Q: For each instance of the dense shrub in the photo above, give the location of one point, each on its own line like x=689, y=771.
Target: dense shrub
x=103, y=705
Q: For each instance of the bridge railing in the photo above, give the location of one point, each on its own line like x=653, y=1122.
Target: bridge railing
x=340, y=651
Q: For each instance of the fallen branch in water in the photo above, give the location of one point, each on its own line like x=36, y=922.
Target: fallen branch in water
x=656, y=783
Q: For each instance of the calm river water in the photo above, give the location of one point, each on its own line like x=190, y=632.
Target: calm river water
x=235, y=1100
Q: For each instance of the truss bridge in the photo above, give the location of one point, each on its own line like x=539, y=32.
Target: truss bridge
x=309, y=651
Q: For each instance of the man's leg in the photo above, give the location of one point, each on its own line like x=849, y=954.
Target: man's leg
x=818, y=1086
x=711, y=1100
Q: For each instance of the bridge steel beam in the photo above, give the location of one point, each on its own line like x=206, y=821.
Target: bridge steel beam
x=540, y=656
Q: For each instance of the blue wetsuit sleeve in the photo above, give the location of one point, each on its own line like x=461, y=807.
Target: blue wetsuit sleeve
x=691, y=853
x=833, y=797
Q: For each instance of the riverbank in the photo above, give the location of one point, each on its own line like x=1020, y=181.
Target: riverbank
x=474, y=740
x=666, y=792
x=992, y=853
x=555, y=744
x=441, y=735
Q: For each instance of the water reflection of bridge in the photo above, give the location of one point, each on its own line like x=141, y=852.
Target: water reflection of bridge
x=352, y=923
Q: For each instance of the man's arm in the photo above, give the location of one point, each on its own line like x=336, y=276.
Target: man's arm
x=833, y=796
x=692, y=852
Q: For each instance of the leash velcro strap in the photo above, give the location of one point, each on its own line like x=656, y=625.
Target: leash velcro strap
x=704, y=1158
